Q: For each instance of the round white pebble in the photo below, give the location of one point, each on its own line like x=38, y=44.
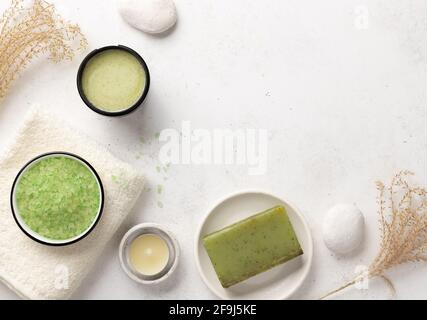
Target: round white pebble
x=343, y=228
x=150, y=16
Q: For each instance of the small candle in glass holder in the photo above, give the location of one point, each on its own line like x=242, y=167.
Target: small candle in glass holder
x=148, y=254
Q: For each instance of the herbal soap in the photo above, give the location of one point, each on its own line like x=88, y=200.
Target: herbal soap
x=252, y=246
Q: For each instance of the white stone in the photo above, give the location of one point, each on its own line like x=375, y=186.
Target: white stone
x=343, y=228
x=150, y=16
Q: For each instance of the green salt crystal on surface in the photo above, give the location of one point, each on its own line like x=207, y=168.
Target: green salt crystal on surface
x=252, y=246
x=58, y=198
x=159, y=189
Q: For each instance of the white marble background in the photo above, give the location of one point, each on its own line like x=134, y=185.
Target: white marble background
x=345, y=104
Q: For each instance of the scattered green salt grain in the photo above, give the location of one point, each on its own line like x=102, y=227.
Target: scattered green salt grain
x=159, y=189
x=157, y=135
x=58, y=198
x=159, y=204
x=120, y=180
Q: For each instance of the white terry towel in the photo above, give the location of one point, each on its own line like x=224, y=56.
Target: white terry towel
x=37, y=271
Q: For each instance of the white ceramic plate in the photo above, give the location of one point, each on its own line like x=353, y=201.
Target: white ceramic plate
x=277, y=283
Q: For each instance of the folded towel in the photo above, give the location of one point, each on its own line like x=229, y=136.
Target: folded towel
x=37, y=271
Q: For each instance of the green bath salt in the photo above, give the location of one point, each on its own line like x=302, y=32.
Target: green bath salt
x=58, y=197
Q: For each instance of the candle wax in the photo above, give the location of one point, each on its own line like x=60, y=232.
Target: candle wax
x=148, y=254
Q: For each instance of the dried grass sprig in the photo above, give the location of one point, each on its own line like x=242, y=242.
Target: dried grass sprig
x=403, y=225
x=28, y=32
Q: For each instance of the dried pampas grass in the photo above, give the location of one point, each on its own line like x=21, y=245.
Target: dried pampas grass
x=403, y=226
x=28, y=32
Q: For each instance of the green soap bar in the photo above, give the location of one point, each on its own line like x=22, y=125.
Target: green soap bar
x=252, y=246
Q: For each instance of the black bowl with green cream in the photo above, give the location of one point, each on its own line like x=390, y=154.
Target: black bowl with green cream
x=113, y=80
x=57, y=198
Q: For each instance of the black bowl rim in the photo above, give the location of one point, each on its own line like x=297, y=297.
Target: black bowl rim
x=125, y=111
x=101, y=207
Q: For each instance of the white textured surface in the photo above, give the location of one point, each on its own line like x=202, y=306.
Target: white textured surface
x=343, y=228
x=37, y=271
x=344, y=107
x=151, y=16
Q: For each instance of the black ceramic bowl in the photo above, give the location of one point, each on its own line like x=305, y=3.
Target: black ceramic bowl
x=37, y=237
x=122, y=112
